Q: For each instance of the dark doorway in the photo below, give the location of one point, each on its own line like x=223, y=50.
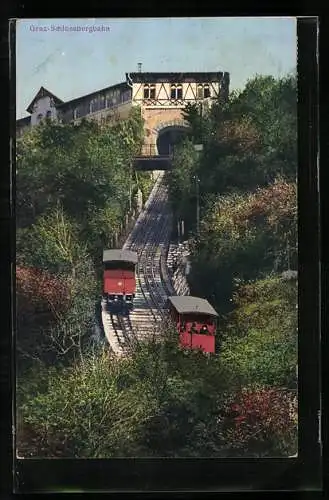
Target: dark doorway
x=168, y=138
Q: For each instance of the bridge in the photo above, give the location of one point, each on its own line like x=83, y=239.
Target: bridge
x=149, y=159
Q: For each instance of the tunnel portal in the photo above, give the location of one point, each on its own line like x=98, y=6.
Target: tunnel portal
x=169, y=137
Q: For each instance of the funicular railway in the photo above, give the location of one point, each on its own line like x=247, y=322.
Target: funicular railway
x=137, y=286
x=162, y=98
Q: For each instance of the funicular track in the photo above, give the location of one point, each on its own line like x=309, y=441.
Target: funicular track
x=150, y=239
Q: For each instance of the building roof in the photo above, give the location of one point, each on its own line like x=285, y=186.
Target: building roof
x=43, y=93
x=77, y=100
x=120, y=255
x=60, y=104
x=187, y=304
x=176, y=77
x=23, y=121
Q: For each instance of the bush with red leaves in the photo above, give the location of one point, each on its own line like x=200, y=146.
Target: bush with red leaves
x=38, y=290
x=261, y=422
x=242, y=135
x=274, y=203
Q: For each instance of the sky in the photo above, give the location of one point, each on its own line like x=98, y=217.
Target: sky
x=73, y=63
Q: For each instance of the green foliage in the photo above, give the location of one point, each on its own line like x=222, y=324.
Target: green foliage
x=161, y=401
x=83, y=413
x=248, y=198
x=273, y=297
x=74, y=186
x=79, y=165
x=72, y=197
x=144, y=182
x=199, y=120
x=61, y=330
x=250, y=139
x=146, y=405
x=261, y=337
x=51, y=243
x=267, y=356
x=182, y=188
x=103, y=224
x=244, y=236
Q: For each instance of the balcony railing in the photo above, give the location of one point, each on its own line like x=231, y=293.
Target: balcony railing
x=149, y=150
x=152, y=150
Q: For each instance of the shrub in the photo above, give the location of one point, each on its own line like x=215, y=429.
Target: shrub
x=261, y=422
x=260, y=338
x=83, y=413
x=245, y=237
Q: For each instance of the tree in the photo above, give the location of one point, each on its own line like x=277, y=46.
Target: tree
x=182, y=191
x=41, y=290
x=261, y=340
x=148, y=404
x=193, y=114
x=245, y=237
x=51, y=243
x=79, y=165
x=41, y=299
x=251, y=138
x=82, y=412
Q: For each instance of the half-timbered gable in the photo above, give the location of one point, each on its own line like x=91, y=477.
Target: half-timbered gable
x=167, y=90
x=163, y=97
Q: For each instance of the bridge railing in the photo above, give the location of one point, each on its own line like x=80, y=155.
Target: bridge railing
x=149, y=150
x=152, y=150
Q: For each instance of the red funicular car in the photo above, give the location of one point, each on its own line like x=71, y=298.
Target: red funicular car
x=119, y=279
x=195, y=320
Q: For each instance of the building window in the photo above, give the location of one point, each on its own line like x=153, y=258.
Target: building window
x=102, y=102
x=149, y=91
x=126, y=96
x=203, y=91
x=200, y=91
x=206, y=91
x=39, y=117
x=176, y=92
x=48, y=114
x=76, y=113
x=92, y=106
x=173, y=92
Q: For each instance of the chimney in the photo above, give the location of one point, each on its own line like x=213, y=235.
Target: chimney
x=139, y=67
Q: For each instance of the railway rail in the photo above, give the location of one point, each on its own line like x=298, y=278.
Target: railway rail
x=150, y=239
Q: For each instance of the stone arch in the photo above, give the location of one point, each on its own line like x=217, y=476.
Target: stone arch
x=178, y=124
x=168, y=134
x=157, y=123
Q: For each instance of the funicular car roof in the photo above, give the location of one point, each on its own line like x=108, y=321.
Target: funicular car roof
x=120, y=255
x=194, y=305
